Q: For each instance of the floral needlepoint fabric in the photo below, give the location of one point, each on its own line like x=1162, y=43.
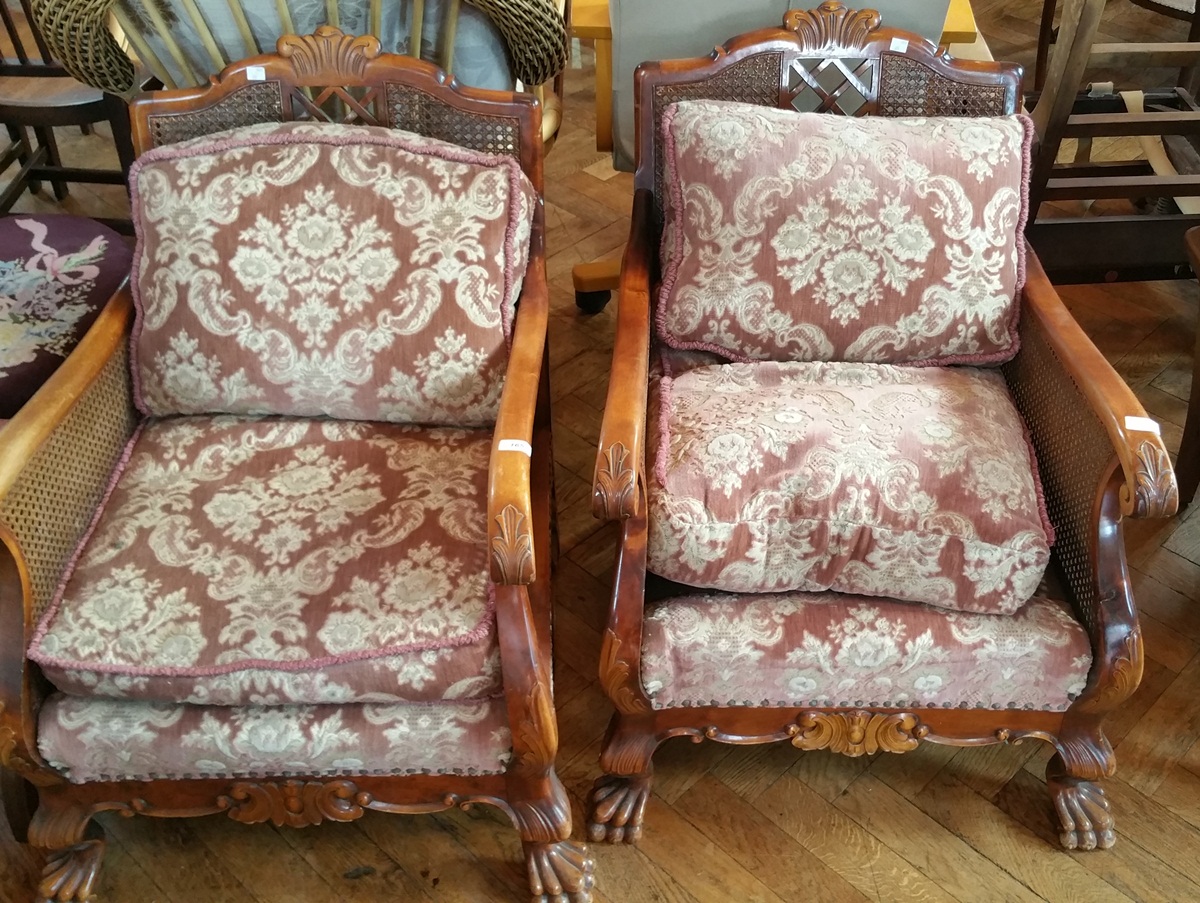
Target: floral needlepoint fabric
x=58, y=274
x=809, y=237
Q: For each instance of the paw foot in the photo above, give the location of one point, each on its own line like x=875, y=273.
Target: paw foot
x=618, y=807
x=71, y=872
x=560, y=872
x=1083, y=814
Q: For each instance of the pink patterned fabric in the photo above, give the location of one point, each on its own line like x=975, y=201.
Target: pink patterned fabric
x=828, y=649
x=307, y=270
x=914, y=483
x=805, y=236
x=115, y=740
x=261, y=562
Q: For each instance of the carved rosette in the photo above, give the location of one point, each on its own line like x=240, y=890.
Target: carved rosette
x=1156, y=494
x=616, y=483
x=512, y=549
x=858, y=733
x=832, y=25
x=329, y=52
x=615, y=676
x=295, y=803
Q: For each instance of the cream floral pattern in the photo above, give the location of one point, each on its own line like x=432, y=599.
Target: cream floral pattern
x=915, y=483
x=243, y=561
x=827, y=649
x=104, y=739
x=360, y=273
x=803, y=236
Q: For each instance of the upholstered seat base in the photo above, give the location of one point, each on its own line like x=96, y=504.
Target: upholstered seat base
x=113, y=740
x=835, y=650
x=274, y=561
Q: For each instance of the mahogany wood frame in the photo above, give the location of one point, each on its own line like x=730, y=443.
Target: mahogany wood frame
x=1134, y=479
x=519, y=537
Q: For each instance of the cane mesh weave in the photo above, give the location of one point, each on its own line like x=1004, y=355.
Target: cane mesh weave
x=1074, y=453
x=52, y=502
x=910, y=88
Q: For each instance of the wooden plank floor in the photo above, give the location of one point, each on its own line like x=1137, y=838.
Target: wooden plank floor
x=757, y=823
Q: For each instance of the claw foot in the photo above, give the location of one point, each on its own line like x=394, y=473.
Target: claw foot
x=70, y=873
x=560, y=872
x=1083, y=815
x=618, y=806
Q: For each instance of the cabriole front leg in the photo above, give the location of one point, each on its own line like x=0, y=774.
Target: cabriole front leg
x=619, y=796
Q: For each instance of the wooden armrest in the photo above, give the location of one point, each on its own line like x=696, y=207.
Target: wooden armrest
x=56, y=457
x=1149, y=482
x=620, y=461
x=510, y=506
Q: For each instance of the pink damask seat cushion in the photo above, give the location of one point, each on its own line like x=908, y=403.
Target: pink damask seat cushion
x=240, y=561
x=804, y=236
x=829, y=649
x=113, y=740
x=306, y=270
x=912, y=483
x=56, y=275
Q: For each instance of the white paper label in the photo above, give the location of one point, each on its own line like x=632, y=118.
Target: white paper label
x=517, y=445
x=256, y=74
x=899, y=45
x=1142, y=425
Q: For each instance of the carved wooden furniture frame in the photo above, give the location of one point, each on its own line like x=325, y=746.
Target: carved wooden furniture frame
x=59, y=451
x=1096, y=465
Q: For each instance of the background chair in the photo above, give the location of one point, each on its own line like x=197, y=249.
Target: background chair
x=290, y=746
x=1099, y=459
x=37, y=94
x=484, y=43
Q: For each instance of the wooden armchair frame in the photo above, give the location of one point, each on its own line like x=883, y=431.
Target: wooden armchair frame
x=59, y=451
x=1097, y=462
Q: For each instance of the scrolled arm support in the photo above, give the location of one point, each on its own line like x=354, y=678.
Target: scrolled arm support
x=620, y=459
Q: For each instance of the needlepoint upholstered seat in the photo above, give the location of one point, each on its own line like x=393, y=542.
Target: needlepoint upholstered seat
x=279, y=544
x=868, y=471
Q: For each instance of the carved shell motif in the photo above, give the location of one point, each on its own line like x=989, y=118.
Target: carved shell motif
x=330, y=52
x=832, y=25
x=295, y=803
x=858, y=733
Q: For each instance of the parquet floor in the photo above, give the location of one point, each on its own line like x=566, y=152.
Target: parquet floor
x=759, y=823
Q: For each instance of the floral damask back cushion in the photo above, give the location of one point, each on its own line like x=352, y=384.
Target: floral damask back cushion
x=813, y=237
x=309, y=270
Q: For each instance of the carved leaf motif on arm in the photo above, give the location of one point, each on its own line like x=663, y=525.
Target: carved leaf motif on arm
x=616, y=482
x=512, y=550
x=1156, y=493
x=295, y=803
x=615, y=676
x=8, y=743
x=538, y=733
x=858, y=733
x=331, y=52
x=832, y=25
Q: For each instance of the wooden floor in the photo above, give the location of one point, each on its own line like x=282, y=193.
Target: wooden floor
x=758, y=823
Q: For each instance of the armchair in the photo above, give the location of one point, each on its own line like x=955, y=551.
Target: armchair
x=283, y=551
x=805, y=516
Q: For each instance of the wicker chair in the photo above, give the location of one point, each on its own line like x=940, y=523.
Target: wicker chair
x=439, y=536
x=486, y=43
x=821, y=662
